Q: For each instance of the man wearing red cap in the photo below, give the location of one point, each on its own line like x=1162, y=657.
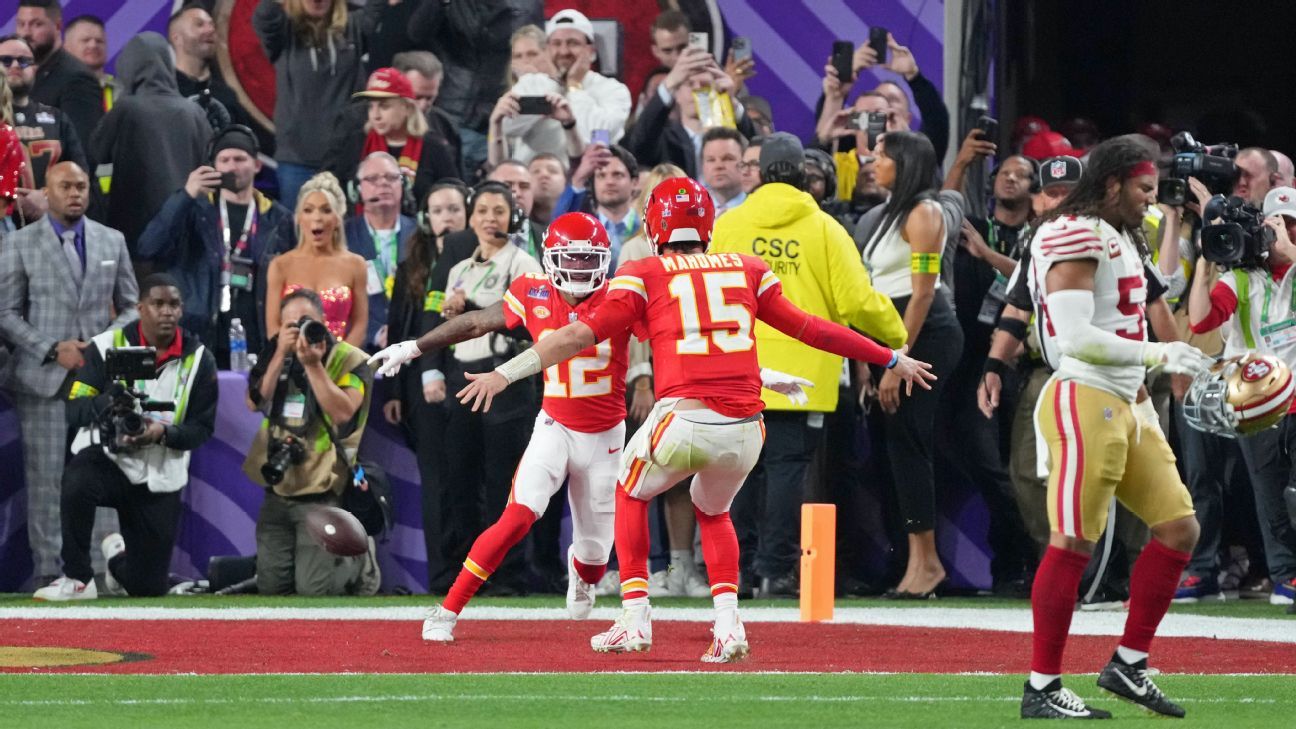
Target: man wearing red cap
x=1049, y=143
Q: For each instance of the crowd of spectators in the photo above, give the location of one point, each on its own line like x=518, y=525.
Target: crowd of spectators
x=420, y=148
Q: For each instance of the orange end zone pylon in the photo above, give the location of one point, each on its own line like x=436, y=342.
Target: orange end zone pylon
x=818, y=561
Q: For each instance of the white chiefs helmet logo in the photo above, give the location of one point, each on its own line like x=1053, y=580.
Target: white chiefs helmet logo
x=1256, y=370
x=1057, y=169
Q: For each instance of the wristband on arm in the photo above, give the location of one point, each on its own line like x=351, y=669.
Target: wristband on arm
x=995, y=365
x=1014, y=327
x=522, y=366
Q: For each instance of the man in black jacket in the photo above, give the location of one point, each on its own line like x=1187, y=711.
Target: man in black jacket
x=158, y=135
x=61, y=80
x=657, y=136
x=139, y=474
x=46, y=133
x=218, y=243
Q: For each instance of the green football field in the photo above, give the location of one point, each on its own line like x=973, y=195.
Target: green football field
x=252, y=661
x=615, y=700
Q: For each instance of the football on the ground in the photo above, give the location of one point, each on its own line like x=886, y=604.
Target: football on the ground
x=337, y=531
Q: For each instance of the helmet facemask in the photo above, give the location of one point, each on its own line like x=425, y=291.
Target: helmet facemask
x=577, y=268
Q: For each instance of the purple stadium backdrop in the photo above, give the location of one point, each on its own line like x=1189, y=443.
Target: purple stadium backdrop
x=791, y=40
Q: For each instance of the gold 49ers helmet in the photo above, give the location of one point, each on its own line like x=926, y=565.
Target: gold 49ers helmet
x=1240, y=395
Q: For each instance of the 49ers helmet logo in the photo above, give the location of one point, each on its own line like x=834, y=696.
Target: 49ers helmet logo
x=1256, y=370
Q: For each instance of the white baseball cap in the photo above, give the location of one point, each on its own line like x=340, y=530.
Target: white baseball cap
x=1280, y=201
x=573, y=19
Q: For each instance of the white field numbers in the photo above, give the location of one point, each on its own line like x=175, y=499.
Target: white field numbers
x=583, y=378
x=714, y=283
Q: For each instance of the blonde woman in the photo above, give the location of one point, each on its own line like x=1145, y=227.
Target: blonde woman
x=315, y=46
x=321, y=263
x=396, y=126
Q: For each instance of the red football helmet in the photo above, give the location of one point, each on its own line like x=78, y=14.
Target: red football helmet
x=678, y=210
x=577, y=252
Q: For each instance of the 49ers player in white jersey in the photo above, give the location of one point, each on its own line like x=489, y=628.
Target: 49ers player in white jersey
x=697, y=311
x=1086, y=278
x=581, y=426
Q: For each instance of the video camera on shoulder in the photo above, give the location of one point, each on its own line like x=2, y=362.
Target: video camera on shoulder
x=1240, y=238
x=1212, y=164
x=124, y=417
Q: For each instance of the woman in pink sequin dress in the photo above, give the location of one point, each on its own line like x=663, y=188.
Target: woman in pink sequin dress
x=321, y=262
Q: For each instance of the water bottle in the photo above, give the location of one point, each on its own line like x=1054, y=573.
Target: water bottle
x=238, y=346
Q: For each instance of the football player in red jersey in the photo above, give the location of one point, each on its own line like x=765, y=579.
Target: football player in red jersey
x=697, y=310
x=581, y=426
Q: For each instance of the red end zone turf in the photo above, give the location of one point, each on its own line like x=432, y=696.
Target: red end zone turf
x=329, y=646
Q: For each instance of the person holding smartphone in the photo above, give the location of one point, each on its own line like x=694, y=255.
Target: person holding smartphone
x=564, y=96
x=216, y=235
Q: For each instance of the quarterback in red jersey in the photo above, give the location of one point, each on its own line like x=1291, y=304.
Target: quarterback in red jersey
x=581, y=426
x=697, y=310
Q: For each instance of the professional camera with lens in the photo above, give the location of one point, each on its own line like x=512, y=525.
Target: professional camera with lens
x=1239, y=237
x=314, y=331
x=1213, y=164
x=124, y=416
x=282, y=454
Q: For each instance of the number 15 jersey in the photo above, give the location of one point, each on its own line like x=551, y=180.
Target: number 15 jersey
x=698, y=312
x=1120, y=298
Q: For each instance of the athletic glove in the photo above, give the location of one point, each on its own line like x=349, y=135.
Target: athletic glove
x=394, y=357
x=785, y=384
x=1178, y=358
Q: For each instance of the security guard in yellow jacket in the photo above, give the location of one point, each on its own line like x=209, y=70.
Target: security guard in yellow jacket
x=821, y=271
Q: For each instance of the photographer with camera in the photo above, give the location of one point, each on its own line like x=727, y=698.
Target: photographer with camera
x=1254, y=300
x=145, y=397
x=314, y=391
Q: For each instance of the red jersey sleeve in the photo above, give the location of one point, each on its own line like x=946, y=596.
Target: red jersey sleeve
x=780, y=313
x=514, y=310
x=625, y=304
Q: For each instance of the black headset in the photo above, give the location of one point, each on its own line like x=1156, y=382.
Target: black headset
x=499, y=188
x=1034, y=188
x=353, y=184
x=448, y=183
x=243, y=129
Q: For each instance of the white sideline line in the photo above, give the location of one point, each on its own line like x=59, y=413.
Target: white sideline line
x=1279, y=630
x=365, y=699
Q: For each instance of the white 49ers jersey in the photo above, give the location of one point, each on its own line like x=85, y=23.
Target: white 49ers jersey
x=1120, y=298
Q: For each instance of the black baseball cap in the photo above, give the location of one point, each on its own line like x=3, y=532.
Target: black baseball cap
x=1060, y=170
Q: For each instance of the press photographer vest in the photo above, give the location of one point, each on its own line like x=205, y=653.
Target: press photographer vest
x=322, y=471
x=1265, y=319
x=164, y=469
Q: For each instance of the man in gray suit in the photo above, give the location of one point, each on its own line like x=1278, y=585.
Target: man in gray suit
x=62, y=279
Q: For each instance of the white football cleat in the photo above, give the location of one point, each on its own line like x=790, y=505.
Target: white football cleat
x=65, y=589
x=631, y=632
x=580, y=594
x=659, y=584
x=111, y=546
x=439, y=625
x=728, y=644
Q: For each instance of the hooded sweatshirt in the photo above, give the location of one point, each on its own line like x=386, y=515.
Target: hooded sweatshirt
x=815, y=259
x=312, y=83
x=150, y=141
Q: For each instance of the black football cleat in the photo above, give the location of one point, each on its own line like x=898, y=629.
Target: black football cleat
x=1055, y=702
x=1132, y=683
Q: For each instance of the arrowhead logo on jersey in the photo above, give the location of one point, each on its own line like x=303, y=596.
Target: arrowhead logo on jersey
x=1256, y=370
